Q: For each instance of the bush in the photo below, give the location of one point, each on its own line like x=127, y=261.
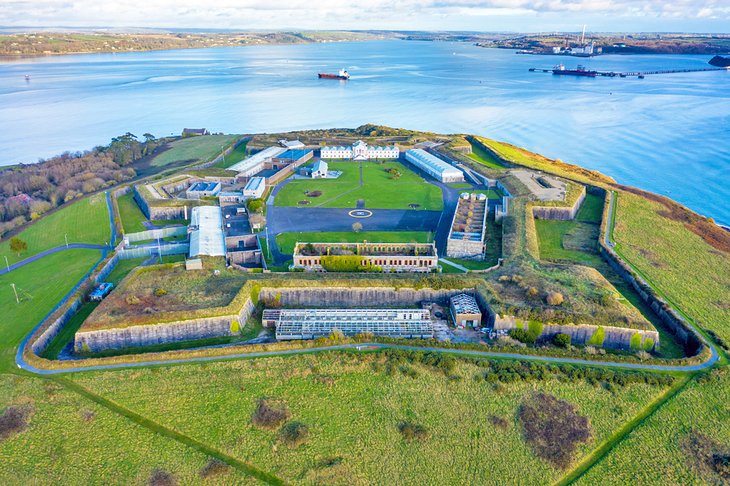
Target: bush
x=132, y=300
x=598, y=337
x=162, y=478
x=235, y=327
x=341, y=263
x=553, y=428
x=554, y=298
x=562, y=340
x=413, y=432
x=294, y=434
x=13, y=421
x=635, y=341
x=159, y=292
x=522, y=336
x=532, y=292
x=269, y=414
x=648, y=344
x=255, y=206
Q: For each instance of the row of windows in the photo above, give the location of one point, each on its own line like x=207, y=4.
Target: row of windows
x=308, y=262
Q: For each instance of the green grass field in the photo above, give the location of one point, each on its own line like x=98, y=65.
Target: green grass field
x=576, y=240
x=85, y=221
x=286, y=241
x=480, y=155
x=72, y=440
x=40, y=285
x=675, y=259
x=352, y=408
x=132, y=217
x=236, y=155
x=660, y=450
x=194, y=149
x=379, y=190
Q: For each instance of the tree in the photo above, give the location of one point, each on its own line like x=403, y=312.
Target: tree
x=554, y=298
x=17, y=245
x=255, y=205
x=561, y=340
x=356, y=227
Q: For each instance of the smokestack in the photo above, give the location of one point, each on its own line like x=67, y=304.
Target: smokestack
x=583, y=37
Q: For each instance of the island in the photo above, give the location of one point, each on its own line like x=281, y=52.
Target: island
x=336, y=306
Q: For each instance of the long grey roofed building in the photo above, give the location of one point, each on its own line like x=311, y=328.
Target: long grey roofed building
x=434, y=166
x=314, y=323
x=206, y=237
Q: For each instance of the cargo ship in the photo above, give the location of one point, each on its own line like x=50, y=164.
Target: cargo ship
x=343, y=74
x=560, y=69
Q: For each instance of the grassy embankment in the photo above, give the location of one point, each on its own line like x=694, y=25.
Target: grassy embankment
x=84, y=221
x=286, y=241
x=379, y=190
x=480, y=155
x=348, y=400
x=193, y=149
x=690, y=272
x=40, y=285
x=236, y=155
x=130, y=214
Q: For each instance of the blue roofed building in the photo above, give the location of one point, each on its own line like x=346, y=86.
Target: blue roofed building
x=203, y=189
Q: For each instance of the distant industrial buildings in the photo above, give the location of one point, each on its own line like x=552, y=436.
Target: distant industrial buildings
x=465, y=311
x=315, y=323
x=203, y=189
x=360, y=151
x=254, y=188
x=206, y=232
x=433, y=166
x=397, y=257
x=468, y=227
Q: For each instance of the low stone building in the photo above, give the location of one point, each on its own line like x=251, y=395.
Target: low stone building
x=203, y=189
x=398, y=257
x=465, y=311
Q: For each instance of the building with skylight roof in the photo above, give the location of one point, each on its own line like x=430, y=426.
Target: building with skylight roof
x=433, y=166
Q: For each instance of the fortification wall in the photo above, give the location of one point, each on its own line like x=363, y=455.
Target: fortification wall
x=171, y=332
x=357, y=297
x=614, y=337
x=560, y=213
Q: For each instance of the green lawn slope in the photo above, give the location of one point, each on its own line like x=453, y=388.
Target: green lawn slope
x=84, y=221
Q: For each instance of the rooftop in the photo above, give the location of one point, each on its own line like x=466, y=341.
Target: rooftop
x=207, y=236
x=254, y=183
x=257, y=158
x=203, y=186
x=293, y=154
x=465, y=304
x=432, y=162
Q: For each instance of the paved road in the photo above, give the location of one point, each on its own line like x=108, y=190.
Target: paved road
x=364, y=347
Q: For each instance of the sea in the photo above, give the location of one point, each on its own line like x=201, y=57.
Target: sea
x=666, y=133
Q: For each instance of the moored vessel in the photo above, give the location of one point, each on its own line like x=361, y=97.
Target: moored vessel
x=560, y=69
x=343, y=74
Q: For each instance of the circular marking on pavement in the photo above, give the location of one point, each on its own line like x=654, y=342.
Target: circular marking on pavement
x=360, y=213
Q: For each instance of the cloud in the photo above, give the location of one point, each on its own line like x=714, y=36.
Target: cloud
x=337, y=14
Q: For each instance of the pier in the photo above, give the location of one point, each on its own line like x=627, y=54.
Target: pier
x=639, y=74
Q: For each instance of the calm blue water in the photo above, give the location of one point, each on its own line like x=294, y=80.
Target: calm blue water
x=668, y=133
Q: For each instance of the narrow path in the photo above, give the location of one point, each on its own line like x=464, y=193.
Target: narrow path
x=20, y=361
x=160, y=429
x=455, y=265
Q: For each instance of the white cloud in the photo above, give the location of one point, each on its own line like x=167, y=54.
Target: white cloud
x=340, y=14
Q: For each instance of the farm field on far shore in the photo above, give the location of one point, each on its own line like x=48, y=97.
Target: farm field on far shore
x=84, y=221
x=352, y=406
x=379, y=191
x=130, y=214
x=41, y=285
x=71, y=440
x=286, y=241
x=193, y=149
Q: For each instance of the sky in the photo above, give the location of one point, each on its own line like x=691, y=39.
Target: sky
x=472, y=15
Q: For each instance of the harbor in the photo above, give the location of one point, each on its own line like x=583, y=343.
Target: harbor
x=581, y=71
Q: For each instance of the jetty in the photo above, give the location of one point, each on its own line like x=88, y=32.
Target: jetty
x=638, y=74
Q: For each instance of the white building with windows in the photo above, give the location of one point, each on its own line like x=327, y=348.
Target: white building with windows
x=360, y=151
x=254, y=188
x=319, y=170
x=433, y=166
